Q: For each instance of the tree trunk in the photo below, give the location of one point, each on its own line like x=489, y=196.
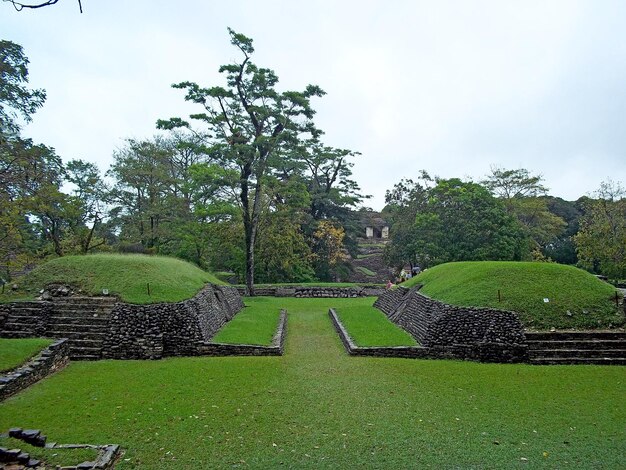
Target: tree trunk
x=250, y=233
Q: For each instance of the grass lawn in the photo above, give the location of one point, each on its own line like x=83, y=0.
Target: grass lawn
x=368, y=326
x=316, y=407
x=170, y=279
x=60, y=457
x=15, y=352
x=256, y=324
x=523, y=287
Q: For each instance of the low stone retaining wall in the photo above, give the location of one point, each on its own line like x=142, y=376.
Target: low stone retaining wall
x=170, y=329
x=314, y=292
x=483, y=334
x=483, y=352
x=382, y=351
x=277, y=347
x=15, y=458
x=48, y=361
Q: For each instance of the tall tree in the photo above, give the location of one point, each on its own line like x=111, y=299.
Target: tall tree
x=16, y=99
x=89, y=193
x=142, y=190
x=453, y=220
x=251, y=126
x=601, y=240
x=522, y=194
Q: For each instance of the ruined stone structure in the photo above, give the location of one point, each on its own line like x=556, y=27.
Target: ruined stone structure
x=376, y=227
x=450, y=331
x=102, y=327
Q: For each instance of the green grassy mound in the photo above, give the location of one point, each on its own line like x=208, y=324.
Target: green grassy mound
x=576, y=299
x=15, y=352
x=127, y=276
x=368, y=326
x=256, y=324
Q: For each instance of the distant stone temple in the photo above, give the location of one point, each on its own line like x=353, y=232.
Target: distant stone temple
x=376, y=227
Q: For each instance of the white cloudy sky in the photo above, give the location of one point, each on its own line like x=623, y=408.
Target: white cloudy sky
x=451, y=87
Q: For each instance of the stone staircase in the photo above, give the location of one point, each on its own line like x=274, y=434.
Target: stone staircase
x=84, y=321
x=370, y=267
x=584, y=347
x=27, y=319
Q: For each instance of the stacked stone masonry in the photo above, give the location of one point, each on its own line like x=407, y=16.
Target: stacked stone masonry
x=48, y=361
x=106, y=457
x=316, y=292
x=104, y=328
x=464, y=332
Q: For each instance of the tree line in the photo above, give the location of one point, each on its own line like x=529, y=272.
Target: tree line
x=507, y=216
x=246, y=185
x=249, y=188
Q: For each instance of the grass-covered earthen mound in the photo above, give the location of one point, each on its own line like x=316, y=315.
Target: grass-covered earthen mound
x=576, y=299
x=126, y=276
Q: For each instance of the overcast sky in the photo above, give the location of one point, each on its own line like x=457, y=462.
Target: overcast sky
x=449, y=87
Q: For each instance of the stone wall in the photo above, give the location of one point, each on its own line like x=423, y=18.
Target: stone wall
x=170, y=329
x=127, y=331
x=313, y=292
x=468, y=333
x=49, y=360
x=24, y=319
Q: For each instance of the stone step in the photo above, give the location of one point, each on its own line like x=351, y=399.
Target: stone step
x=79, y=327
x=17, y=334
x=85, y=301
x=85, y=357
x=72, y=335
x=18, y=324
x=76, y=310
x=578, y=344
x=609, y=361
x=72, y=320
x=94, y=351
x=578, y=353
x=25, y=311
x=575, y=335
x=81, y=343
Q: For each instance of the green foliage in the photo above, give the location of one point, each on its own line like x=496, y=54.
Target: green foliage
x=462, y=221
x=14, y=352
x=329, y=252
x=256, y=324
x=561, y=248
x=368, y=326
x=127, y=276
x=522, y=194
x=514, y=184
x=576, y=298
x=601, y=240
x=250, y=127
x=16, y=100
x=316, y=407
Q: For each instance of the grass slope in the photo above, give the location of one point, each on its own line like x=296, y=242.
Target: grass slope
x=523, y=286
x=15, y=352
x=256, y=324
x=368, y=326
x=316, y=407
x=128, y=276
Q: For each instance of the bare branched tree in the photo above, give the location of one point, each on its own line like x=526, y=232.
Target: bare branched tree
x=20, y=6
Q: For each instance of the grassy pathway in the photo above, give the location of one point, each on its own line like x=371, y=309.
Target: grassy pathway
x=316, y=407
